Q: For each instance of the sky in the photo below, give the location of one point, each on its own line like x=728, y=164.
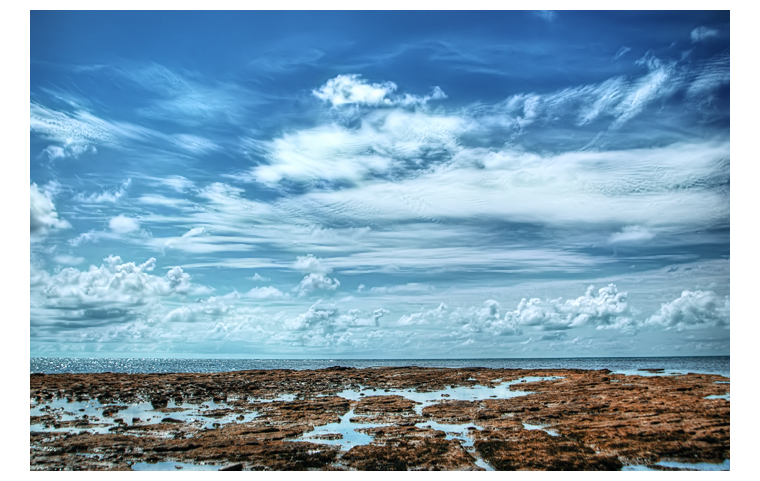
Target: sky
x=379, y=184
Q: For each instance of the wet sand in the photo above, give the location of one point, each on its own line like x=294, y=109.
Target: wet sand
x=380, y=419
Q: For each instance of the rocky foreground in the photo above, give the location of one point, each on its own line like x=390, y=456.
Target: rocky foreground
x=579, y=420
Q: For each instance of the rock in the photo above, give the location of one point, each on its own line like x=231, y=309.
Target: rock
x=603, y=419
x=171, y=420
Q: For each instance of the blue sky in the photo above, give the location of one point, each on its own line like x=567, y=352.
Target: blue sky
x=379, y=184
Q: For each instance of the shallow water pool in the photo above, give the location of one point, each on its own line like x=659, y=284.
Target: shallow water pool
x=173, y=466
x=345, y=431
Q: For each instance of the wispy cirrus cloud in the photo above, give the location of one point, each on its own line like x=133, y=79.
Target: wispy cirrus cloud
x=341, y=174
x=701, y=33
x=187, y=98
x=81, y=129
x=106, y=196
x=622, y=51
x=412, y=287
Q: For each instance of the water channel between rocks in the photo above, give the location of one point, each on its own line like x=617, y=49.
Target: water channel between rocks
x=346, y=433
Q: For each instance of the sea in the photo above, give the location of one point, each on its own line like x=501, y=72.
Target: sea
x=620, y=365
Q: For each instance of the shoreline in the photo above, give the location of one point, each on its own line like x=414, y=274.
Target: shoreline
x=387, y=418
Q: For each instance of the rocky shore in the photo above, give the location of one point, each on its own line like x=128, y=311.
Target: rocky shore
x=379, y=419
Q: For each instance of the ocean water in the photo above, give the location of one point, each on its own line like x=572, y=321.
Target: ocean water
x=623, y=365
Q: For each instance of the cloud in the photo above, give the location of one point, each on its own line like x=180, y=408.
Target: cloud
x=194, y=144
x=43, y=215
x=396, y=143
x=712, y=75
x=701, y=33
x=268, y=292
x=631, y=234
x=185, y=97
x=359, y=318
x=105, y=196
x=314, y=282
x=409, y=287
x=351, y=89
x=116, y=290
x=176, y=182
x=316, y=318
x=68, y=260
x=621, y=52
x=122, y=224
x=597, y=188
x=609, y=104
x=321, y=320
x=385, y=141
x=76, y=132
x=257, y=277
x=486, y=318
x=548, y=15
x=605, y=308
x=91, y=236
x=213, y=307
x=424, y=316
x=693, y=309
x=157, y=199
x=54, y=152
x=227, y=203
x=309, y=263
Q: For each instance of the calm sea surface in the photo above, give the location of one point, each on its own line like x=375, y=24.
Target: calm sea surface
x=624, y=365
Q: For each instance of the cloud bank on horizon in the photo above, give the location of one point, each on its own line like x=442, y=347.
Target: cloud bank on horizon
x=380, y=184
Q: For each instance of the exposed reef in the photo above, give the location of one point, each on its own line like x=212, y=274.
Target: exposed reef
x=378, y=419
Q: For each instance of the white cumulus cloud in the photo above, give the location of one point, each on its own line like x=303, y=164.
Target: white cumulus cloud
x=603, y=308
x=43, y=215
x=424, y=316
x=694, y=309
x=213, y=307
x=122, y=224
x=486, y=318
x=352, y=89
x=384, y=141
x=314, y=282
x=113, y=283
x=317, y=317
x=268, y=292
x=309, y=263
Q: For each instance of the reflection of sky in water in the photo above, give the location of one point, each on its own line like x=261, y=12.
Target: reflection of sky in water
x=700, y=466
x=348, y=430
x=172, y=466
x=635, y=372
x=668, y=372
x=724, y=466
x=461, y=393
x=452, y=431
x=540, y=427
x=726, y=396
x=480, y=462
x=62, y=410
